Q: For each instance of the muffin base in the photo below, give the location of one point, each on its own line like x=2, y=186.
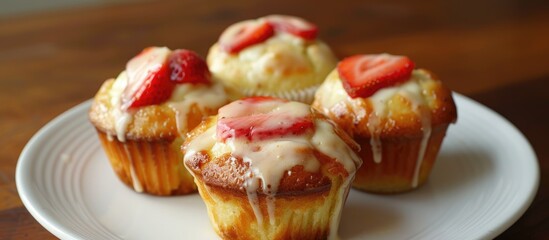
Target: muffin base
x=312, y=215
x=395, y=173
x=152, y=167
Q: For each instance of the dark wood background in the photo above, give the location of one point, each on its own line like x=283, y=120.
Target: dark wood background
x=496, y=52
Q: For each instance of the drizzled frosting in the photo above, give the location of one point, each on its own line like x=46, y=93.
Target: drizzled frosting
x=269, y=159
x=184, y=96
x=202, y=96
x=332, y=95
x=205, y=98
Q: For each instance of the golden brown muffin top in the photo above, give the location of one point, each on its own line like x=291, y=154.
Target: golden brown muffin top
x=186, y=108
x=160, y=95
x=250, y=155
x=393, y=111
x=283, y=62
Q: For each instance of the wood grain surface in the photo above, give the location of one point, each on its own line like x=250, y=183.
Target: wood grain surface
x=496, y=52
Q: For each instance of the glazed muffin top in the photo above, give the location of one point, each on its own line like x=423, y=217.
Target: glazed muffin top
x=269, y=146
x=270, y=55
x=161, y=95
x=383, y=95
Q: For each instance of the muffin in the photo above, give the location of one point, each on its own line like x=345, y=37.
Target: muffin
x=269, y=168
x=143, y=116
x=397, y=114
x=276, y=55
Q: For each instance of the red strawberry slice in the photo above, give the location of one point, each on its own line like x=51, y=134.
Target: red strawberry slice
x=262, y=126
x=363, y=75
x=293, y=25
x=245, y=34
x=262, y=118
x=250, y=106
x=187, y=67
x=148, y=79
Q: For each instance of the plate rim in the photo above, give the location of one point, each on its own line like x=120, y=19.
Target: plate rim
x=62, y=231
x=535, y=179
x=22, y=180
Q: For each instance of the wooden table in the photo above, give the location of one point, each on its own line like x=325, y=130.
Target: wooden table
x=496, y=52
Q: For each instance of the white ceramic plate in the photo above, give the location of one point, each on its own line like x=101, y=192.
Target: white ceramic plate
x=485, y=178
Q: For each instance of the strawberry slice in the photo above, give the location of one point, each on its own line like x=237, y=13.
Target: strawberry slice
x=263, y=118
x=187, y=67
x=293, y=25
x=244, y=34
x=363, y=75
x=261, y=99
x=262, y=126
x=148, y=79
x=250, y=106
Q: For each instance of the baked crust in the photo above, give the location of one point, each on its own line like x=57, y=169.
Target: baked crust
x=401, y=119
x=282, y=66
x=228, y=172
x=149, y=123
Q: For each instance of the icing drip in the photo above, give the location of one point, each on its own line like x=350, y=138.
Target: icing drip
x=183, y=98
x=412, y=91
x=121, y=118
x=426, y=128
x=328, y=143
x=137, y=186
x=121, y=124
x=419, y=106
x=332, y=94
x=202, y=96
x=375, y=142
x=270, y=159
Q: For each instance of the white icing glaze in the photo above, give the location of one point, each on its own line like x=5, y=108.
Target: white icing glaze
x=412, y=91
x=327, y=142
x=200, y=95
x=122, y=118
x=206, y=140
x=332, y=93
x=183, y=97
x=374, y=126
x=419, y=105
x=137, y=186
x=271, y=158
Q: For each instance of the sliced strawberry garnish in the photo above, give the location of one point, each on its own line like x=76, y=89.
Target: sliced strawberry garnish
x=263, y=118
x=187, y=67
x=262, y=126
x=250, y=106
x=260, y=99
x=363, y=75
x=244, y=34
x=293, y=25
x=148, y=80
